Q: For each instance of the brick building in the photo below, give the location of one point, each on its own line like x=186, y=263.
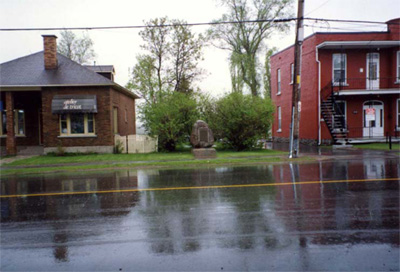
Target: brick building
x=349, y=87
x=49, y=101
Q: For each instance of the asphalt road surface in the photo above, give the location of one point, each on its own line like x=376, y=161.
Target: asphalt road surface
x=340, y=215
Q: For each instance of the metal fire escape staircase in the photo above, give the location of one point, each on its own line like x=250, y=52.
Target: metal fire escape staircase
x=333, y=116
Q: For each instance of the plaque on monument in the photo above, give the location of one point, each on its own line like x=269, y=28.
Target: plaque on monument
x=202, y=140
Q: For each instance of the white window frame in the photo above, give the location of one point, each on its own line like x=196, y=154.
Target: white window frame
x=345, y=69
x=16, y=125
x=398, y=68
x=1, y=122
x=86, y=126
x=279, y=82
x=398, y=114
x=279, y=119
x=291, y=73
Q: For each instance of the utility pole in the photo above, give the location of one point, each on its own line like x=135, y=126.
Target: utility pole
x=296, y=104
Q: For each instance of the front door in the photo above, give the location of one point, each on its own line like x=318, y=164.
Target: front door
x=373, y=119
x=372, y=71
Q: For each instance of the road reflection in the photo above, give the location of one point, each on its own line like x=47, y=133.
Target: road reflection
x=293, y=217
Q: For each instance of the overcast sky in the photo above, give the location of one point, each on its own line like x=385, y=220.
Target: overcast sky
x=120, y=47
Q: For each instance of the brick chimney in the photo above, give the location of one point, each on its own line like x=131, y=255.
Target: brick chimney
x=50, y=51
x=394, y=28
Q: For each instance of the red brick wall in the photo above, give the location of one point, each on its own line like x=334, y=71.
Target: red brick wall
x=309, y=93
x=126, y=105
x=356, y=59
x=103, y=128
x=282, y=61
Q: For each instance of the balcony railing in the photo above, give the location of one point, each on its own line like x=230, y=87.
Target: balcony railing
x=360, y=84
x=370, y=133
x=365, y=84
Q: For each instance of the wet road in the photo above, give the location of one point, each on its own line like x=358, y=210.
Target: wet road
x=332, y=215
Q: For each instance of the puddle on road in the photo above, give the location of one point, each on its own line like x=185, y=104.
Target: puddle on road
x=71, y=218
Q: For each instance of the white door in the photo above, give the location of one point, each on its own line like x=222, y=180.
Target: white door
x=372, y=71
x=373, y=119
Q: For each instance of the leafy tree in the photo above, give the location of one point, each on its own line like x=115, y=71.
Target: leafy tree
x=186, y=52
x=267, y=71
x=245, y=40
x=170, y=118
x=156, y=43
x=240, y=120
x=77, y=49
x=170, y=61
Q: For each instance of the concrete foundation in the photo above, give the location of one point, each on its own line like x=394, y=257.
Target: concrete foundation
x=204, y=153
x=81, y=149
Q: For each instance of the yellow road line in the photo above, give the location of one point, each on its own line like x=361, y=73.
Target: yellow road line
x=200, y=187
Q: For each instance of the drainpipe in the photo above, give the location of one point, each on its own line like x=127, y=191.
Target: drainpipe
x=319, y=95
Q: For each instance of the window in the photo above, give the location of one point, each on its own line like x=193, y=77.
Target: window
x=115, y=118
x=3, y=123
x=279, y=81
x=279, y=119
x=291, y=73
x=19, y=122
x=398, y=67
x=77, y=124
x=398, y=114
x=339, y=63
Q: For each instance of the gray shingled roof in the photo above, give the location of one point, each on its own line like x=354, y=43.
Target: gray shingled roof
x=29, y=71
x=100, y=68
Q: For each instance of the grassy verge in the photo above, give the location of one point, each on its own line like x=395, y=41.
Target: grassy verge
x=378, y=146
x=163, y=164
x=98, y=158
x=75, y=162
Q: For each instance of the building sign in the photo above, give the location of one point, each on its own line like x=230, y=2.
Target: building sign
x=74, y=103
x=370, y=114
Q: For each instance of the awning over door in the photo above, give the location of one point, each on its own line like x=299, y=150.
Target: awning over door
x=74, y=104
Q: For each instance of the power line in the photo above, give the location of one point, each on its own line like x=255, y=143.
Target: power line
x=349, y=21
x=283, y=20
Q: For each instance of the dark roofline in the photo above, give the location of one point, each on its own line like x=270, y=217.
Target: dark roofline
x=333, y=33
x=112, y=85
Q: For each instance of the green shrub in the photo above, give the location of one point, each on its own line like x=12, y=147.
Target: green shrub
x=119, y=147
x=238, y=120
x=170, y=118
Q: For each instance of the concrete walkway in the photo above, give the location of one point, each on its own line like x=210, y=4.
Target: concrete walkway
x=14, y=158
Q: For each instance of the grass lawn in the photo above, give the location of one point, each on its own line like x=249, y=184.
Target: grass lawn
x=378, y=146
x=183, y=159
x=172, y=156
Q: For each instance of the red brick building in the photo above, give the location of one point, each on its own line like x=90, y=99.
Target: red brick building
x=49, y=101
x=350, y=87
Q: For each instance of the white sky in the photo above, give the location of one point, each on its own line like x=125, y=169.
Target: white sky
x=120, y=47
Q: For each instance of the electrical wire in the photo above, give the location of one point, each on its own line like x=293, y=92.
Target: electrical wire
x=283, y=20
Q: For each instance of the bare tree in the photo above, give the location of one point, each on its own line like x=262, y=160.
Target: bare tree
x=170, y=61
x=77, y=49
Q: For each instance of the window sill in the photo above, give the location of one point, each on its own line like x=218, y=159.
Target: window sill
x=17, y=136
x=397, y=82
x=345, y=84
x=77, y=136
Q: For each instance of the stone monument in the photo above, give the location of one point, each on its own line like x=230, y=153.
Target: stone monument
x=202, y=140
